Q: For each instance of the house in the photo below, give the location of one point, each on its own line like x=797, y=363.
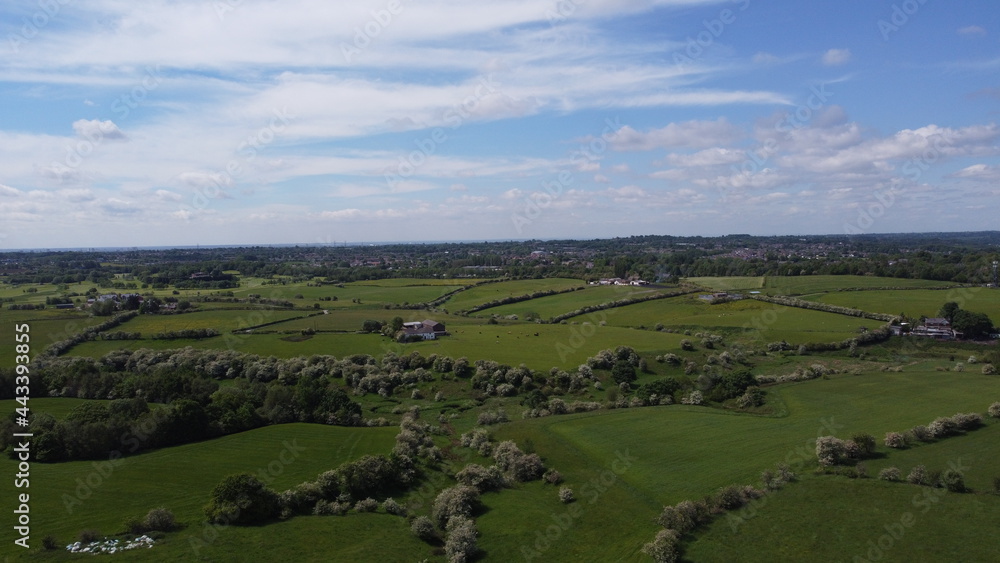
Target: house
x=936, y=328
x=427, y=329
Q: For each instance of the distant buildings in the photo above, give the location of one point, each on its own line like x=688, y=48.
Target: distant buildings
x=936, y=328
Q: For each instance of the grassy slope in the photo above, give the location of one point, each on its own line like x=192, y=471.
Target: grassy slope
x=181, y=478
x=552, y=305
x=493, y=291
x=918, y=302
x=693, y=449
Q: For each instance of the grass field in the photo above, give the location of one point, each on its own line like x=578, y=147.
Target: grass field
x=137, y=484
x=552, y=305
x=221, y=320
x=492, y=291
x=349, y=320
x=683, y=452
x=370, y=293
x=916, y=303
x=838, y=519
x=764, y=322
x=803, y=285
x=729, y=283
x=565, y=346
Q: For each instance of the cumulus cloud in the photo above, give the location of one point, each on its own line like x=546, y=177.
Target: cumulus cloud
x=836, y=57
x=96, y=130
x=689, y=134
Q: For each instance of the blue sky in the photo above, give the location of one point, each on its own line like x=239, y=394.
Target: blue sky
x=264, y=121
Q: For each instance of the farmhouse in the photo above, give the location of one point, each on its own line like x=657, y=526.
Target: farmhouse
x=427, y=329
x=936, y=328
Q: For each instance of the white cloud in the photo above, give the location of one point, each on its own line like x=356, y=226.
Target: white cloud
x=96, y=130
x=689, y=134
x=972, y=30
x=836, y=57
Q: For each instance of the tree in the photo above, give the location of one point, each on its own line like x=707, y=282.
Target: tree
x=371, y=326
x=972, y=325
x=242, y=499
x=948, y=311
x=623, y=372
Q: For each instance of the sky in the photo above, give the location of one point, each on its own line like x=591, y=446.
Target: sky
x=184, y=122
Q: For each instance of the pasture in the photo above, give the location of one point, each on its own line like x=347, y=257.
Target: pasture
x=69, y=497
x=552, y=305
x=485, y=293
x=916, y=303
x=372, y=294
x=804, y=285
x=751, y=320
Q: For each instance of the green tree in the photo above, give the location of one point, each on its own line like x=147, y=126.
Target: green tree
x=242, y=499
x=972, y=325
x=948, y=311
x=623, y=372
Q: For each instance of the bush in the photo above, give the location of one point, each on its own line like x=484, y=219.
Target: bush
x=994, y=410
x=889, y=474
x=242, y=499
x=159, y=520
x=552, y=477
x=921, y=433
x=918, y=476
x=665, y=547
x=753, y=397
x=88, y=536
x=942, y=427
x=566, y=495
x=989, y=369
x=483, y=479
x=392, y=507
x=895, y=440
x=50, y=542
x=695, y=398
x=460, y=546
x=866, y=444
x=730, y=497
x=133, y=525
x=953, y=480
x=423, y=528
x=830, y=450
x=460, y=500
x=367, y=505
x=967, y=420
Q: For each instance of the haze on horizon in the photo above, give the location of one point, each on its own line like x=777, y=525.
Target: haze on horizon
x=259, y=122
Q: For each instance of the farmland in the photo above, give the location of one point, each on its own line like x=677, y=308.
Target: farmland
x=624, y=461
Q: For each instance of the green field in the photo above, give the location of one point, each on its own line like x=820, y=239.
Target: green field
x=221, y=320
x=552, y=305
x=350, y=320
x=369, y=293
x=729, y=283
x=485, y=293
x=804, y=285
x=916, y=303
x=763, y=322
x=137, y=484
x=835, y=518
x=695, y=448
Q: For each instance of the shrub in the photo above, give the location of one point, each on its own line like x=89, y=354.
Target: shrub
x=566, y=495
x=367, y=505
x=942, y=427
x=460, y=500
x=552, y=477
x=730, y=497
x=487, y=418
x=423, y=528
x=460, y=545
x=159, y=520
x=50, y=542
x=953, y=480
x=133, y=525
x=967, y=420
x=861, y=470
x=865, y=443
x=753, y=397
x=392, y=507
x=479, y=440
x=87, y=536
x=921, y=433
x=665, y=547
x=889, y=474
x=895, y=440
x=830, y=450
x=482, y=478
x=694, y=398
x=324, y=508
x=242, y=499
x=989, y=369
x=918, y=476
x=994, y=410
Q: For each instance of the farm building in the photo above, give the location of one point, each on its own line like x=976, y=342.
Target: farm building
x=427, y=329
